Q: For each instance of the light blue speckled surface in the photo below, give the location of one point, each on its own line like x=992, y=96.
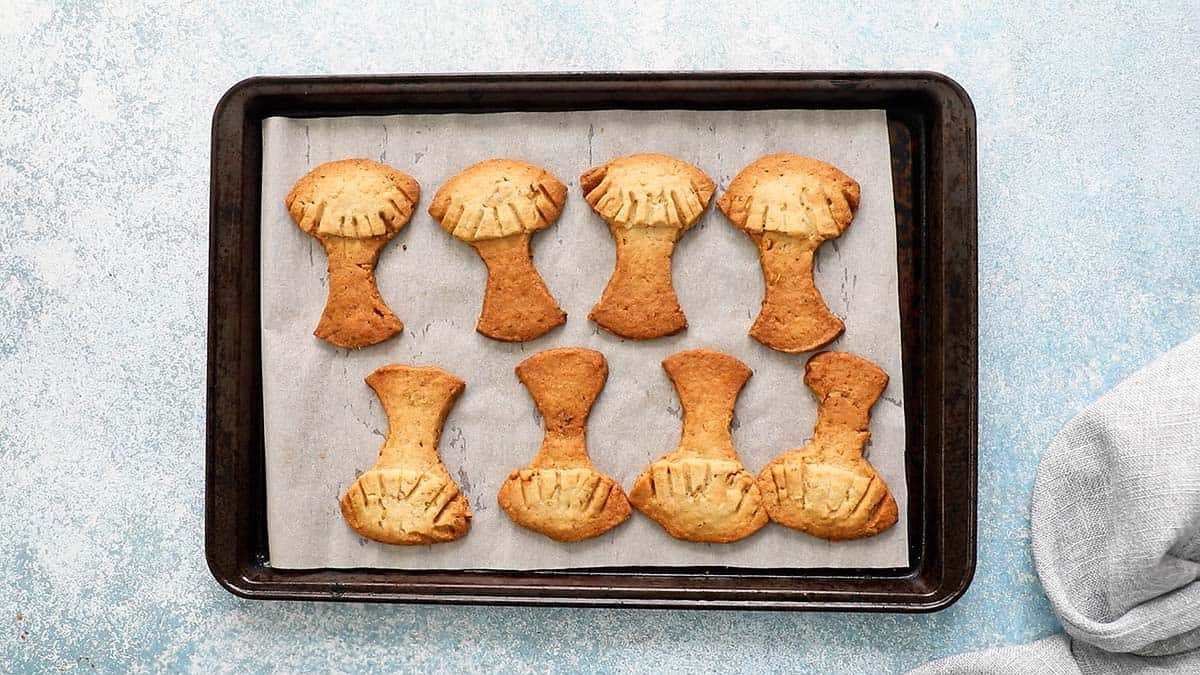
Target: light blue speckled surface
x=1089, y=240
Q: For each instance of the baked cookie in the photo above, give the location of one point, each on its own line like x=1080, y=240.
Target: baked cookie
x=701, y=491
x=789, y=204
x=648, y=201
x=495, y=206
x=408, y=497
x=560, y=493
x=827, y=488
x=353, y=207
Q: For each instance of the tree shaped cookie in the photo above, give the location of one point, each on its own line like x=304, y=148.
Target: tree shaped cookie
x=353, y=207
x=701, y=491
x=827, y=488
x=495, y=206
x=648, y=201
x=408, y=497
x=789, y=205
x=560, y=493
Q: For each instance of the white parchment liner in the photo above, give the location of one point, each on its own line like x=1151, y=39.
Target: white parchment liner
x=323, y=425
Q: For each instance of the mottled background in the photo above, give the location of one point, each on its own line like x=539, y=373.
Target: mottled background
x=1089, y=237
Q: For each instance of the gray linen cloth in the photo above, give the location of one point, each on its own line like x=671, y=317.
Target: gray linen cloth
x=1116, y=534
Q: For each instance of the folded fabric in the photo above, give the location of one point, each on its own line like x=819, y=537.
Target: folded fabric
x=1116, y=533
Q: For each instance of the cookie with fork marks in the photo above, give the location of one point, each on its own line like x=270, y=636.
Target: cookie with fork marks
x=827, y=488
x=353, y=207
x=789, y=205
x=560, y=493
x=408, y=497
x=649, y=201
x=700, y=491
x=496, y=206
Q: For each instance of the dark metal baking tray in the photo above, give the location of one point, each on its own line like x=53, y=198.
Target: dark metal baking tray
x=931, y=124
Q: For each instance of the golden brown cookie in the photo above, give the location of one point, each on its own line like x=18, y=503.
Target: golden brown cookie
x=560, y=493
x=408, y=497
x=353, y=207
x=827, y=488
x=495, y=206
x=701, y=491
x=648, y=201
x=789, y=205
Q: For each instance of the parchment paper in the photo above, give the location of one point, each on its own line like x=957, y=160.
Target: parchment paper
x=324, y=426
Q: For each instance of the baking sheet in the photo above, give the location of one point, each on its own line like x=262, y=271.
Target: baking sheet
x=324, y=426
